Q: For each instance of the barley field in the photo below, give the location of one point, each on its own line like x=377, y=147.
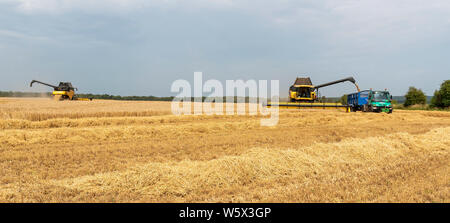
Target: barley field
x=128, y=151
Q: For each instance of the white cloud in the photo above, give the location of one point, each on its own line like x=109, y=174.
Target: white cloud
x=62, y=6
x=19, y=35
x=114, y=6
x=367, y=24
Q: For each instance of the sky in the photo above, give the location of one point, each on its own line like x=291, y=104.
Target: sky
x=140, y=47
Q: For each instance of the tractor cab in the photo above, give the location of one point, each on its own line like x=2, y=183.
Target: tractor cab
x=380, y=101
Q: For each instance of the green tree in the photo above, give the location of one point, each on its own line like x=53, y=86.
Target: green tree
x=441, y=98
x=343, y=99
x=415, y=96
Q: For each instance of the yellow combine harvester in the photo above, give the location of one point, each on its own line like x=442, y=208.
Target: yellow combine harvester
x=303, y=94
x=64, y=91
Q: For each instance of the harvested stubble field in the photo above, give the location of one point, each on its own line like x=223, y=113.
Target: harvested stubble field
x=122, y=151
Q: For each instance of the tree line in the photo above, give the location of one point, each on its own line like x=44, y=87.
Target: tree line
x=440, y=99
x=93, y=96
x=124, y=98
x=118, y=97
x=24, y=94
x=414, y=96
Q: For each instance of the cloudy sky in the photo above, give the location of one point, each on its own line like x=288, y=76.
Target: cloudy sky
x=139, y=47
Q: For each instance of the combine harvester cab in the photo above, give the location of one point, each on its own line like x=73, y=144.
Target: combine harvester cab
x=370, y=101
x=303, y=94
